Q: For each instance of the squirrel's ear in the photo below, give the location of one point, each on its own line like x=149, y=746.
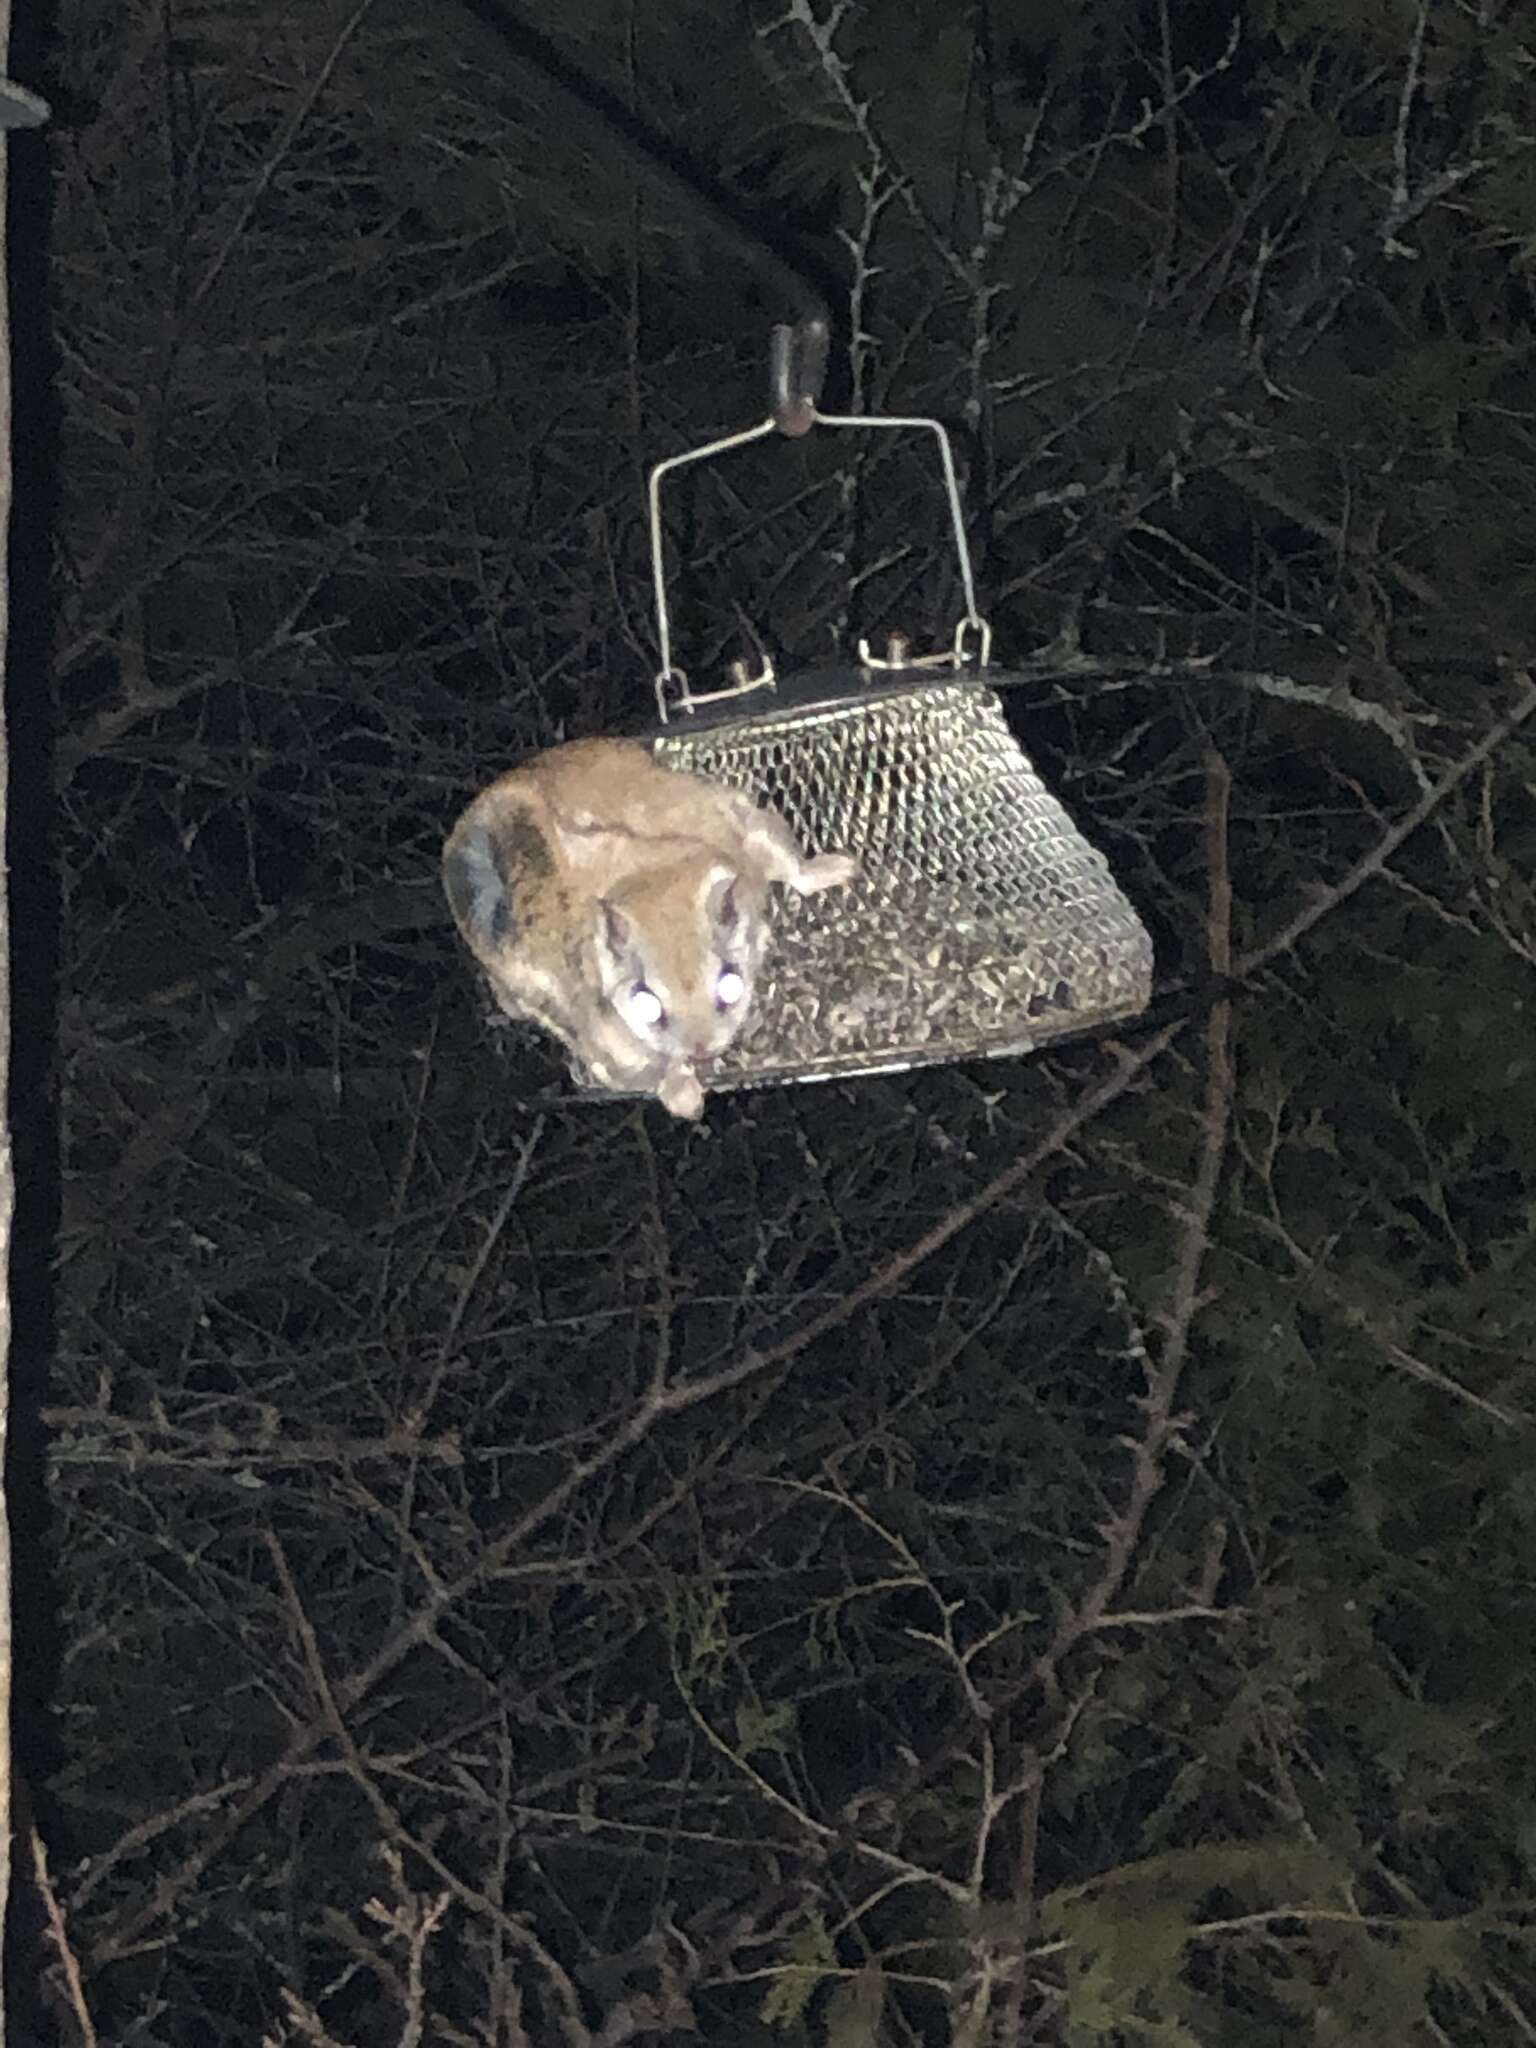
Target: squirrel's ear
x=476, y=888
x=723, y=900
x=613, y=929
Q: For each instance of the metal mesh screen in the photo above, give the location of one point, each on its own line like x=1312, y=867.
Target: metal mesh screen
x=983, y=922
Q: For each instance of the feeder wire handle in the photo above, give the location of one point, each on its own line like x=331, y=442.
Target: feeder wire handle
x=797, y=364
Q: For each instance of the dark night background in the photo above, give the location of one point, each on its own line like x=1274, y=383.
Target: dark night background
x=927, y=1562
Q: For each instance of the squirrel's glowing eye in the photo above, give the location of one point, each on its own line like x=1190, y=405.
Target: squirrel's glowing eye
x=644, y=1005
x=729, y=988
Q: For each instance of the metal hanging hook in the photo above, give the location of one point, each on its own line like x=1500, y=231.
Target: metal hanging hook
x=797, y=369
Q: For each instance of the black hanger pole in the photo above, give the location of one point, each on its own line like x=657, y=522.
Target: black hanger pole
x=799, y=361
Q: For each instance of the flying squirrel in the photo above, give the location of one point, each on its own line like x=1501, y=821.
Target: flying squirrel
x=622, y=906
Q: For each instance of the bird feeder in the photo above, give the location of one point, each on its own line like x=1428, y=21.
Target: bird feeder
x=982, y=924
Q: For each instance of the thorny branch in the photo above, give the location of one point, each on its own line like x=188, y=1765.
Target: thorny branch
x=999, y=1992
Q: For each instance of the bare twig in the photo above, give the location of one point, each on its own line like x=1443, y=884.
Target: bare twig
x=74, y=1985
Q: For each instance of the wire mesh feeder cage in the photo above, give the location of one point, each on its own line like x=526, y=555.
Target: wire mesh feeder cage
x=983, y=924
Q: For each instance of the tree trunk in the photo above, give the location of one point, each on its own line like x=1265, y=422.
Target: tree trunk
x=7, y=1178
